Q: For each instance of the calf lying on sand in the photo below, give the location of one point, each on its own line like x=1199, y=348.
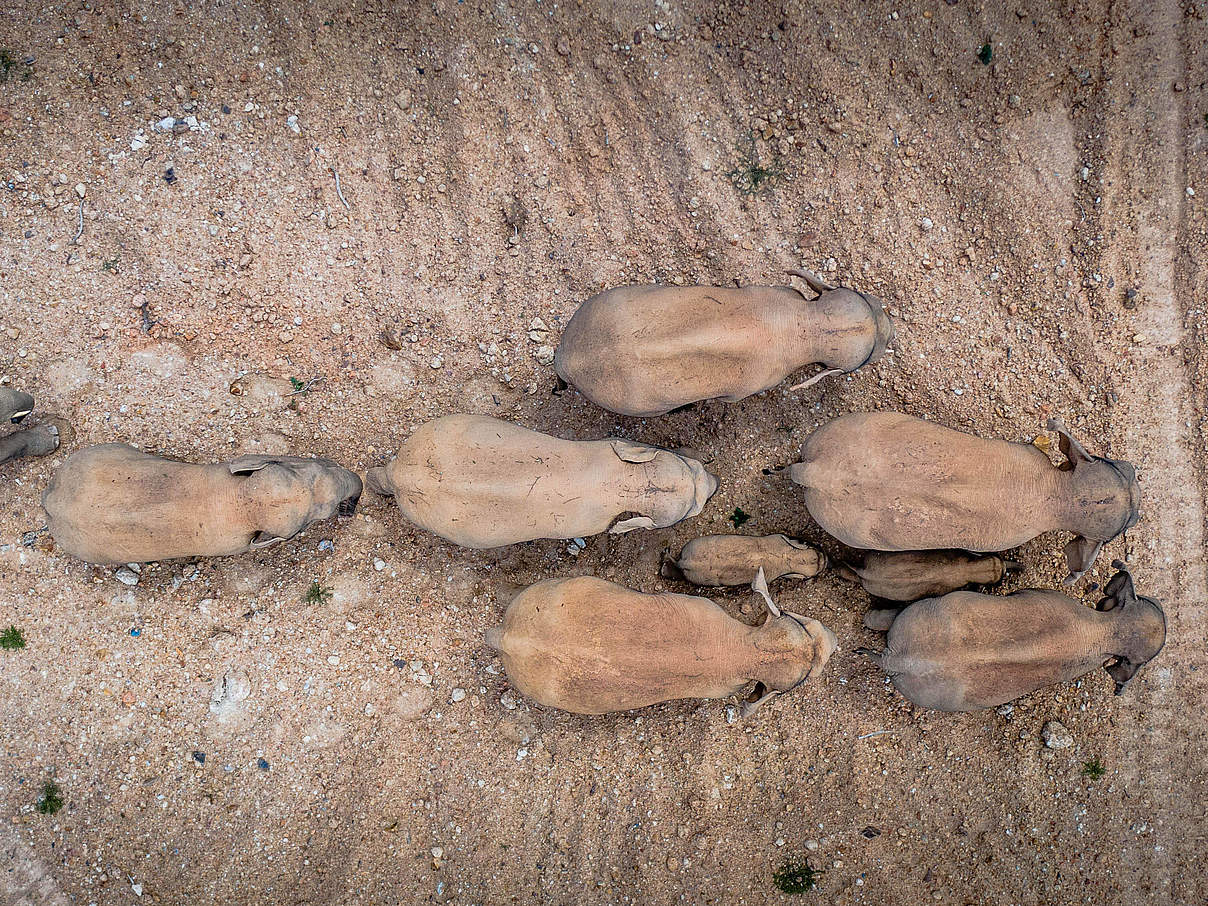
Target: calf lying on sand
x=735, y=559
x=923, y=574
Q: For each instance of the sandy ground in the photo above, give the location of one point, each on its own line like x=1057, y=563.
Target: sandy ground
x=1031, y=224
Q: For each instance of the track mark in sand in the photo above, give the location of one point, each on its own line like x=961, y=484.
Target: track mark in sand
x=24, y=878
x=1143, y=220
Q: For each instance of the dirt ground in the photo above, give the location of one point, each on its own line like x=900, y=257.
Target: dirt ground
x=1036, y=224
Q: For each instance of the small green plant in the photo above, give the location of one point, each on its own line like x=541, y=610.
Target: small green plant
x=12, y=639
x=796, y=877
x=318, y=594
x=299, y=386
x=985, y=54
x=751, y=177
x=739, y=516
x=1093, y=769
x=51, y=799
x=109, y=265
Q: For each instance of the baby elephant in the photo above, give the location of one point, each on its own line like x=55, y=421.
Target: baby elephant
x=967, y=651
x=645, y=350
x=589, y=646
x=36, y=441
x=735, y=559
x=889, y=482
x=924, y=574
x=481, y=482
x=115, y=504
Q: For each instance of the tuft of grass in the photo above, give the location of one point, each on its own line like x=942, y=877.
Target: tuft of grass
x=109, y=265
x=12, y=639
x=985, y=55
x=318, y=594
x=1093, y=769
x=739, y=516
x=299, y=386
x=51, y=799
x=751, y=177
x=796, y=877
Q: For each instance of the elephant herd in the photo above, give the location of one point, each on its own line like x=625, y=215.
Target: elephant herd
x=930, y=508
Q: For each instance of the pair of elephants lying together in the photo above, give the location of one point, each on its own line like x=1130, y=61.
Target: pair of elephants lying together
x=876, y=481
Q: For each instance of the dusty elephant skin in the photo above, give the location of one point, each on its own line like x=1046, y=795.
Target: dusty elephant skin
x=717, y=560
x=590, y=646
x=36, y=441
x=481, y=482
x=645, y=350
x=115, y=504
x=923, y=574
x=967, y=650
x=890, y=482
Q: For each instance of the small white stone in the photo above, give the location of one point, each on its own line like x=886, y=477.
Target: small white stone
x=80, y=189
x=458, y=695
x=337, y=328
x=126, y=575
x=333, y=659
x=437, y=852
x=1190, y=192
x=926, y=224
x=379, y=564
x=544, y=355
x=436, y=362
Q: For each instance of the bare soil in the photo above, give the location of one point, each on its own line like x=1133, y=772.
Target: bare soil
x=1030, y=223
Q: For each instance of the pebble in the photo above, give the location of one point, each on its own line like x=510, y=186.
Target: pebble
x=436, y=362
x=80, y=189
x=926, y=224
x=544, y=355
x=402, y=100
x=538, y=330
x=139, y=141
x=166, y=124
x=1056, y=736
x=292, y=122
x=508, y=700
x=126, y=575
x=337, y=328
x=458, y=695
x=379, y=564
x=811, y=845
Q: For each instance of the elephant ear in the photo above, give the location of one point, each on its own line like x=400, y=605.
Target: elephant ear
x=1120, y=592
x=631, y=452
x=1079, y=555
x=1122, y=670
x=253, y=462
x=1074, y=453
